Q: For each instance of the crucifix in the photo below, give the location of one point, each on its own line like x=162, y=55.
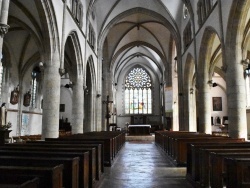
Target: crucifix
x=107, y=110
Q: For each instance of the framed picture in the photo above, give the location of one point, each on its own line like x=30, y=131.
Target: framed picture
x=14, y=96
x=62, y=107
x=217, y=104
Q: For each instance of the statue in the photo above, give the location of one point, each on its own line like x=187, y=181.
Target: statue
x=3, y=115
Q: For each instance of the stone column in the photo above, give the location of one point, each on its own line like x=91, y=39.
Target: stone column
x=204, y=107
x=236, y=99
x=51, y=97
x=4, y=6
x=77, y=107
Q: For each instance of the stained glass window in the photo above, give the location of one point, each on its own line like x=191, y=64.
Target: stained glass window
x=35, y=74
x=138, y=94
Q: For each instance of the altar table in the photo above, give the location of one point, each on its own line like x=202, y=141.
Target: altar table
x=139, y=129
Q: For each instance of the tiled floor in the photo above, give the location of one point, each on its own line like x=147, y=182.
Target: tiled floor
x=141, y=164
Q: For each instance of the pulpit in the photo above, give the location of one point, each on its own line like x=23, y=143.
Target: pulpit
x=4, y=134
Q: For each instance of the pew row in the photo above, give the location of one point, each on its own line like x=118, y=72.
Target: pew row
x=49, y=176
x=92, y=155
x=18, y=181
x=198, y=157
x=239, y=169
x=70, y=170
x=83, y=162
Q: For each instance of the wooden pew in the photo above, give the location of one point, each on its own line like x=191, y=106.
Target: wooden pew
x=18, y=181
x=97, y=147
x=92, y=155
x=70, y=170
x=84, y=160
x=117, y=139
x=238, y=172
x=107, y=143
x=194, y=156
x=218, y=171
x=180, y=154
x=204, y=169
x=80, y=142
x=163, y=138
x=49, y=176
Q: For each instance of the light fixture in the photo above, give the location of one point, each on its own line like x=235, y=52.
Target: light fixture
x=215, y=84
x=41, y=66
x=247, y=70
x=69, y=85
x=210, y=83
x=191, y=90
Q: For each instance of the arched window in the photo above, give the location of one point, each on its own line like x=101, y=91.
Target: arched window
x=35, y=74
x=138, y=93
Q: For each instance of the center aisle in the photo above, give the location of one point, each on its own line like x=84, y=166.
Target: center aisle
x=141, y=164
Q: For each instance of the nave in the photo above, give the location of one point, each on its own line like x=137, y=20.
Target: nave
x=142, y=164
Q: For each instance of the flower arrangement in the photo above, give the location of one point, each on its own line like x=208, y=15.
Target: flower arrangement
x=7, y=126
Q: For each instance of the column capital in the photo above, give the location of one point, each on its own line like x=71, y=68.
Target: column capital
x=3, y=29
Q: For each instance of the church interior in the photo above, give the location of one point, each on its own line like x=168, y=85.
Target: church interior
x=165, y=79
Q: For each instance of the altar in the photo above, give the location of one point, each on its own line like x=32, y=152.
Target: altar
x=139, y=129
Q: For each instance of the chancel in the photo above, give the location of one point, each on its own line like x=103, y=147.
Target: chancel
x=150, y=88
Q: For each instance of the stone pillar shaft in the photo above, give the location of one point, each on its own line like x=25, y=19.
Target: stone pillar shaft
x=236, y=96
x=77, y=107
x=51, y=98
x=4, y=11
x=205, y=108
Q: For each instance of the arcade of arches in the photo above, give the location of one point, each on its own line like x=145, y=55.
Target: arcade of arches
x=180, y=64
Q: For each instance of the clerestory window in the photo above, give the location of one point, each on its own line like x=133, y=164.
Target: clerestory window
x=138, y=92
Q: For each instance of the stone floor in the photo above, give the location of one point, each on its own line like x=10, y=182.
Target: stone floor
x=141, y=164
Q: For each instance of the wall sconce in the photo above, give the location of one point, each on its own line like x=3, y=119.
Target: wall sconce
x=191, y=90
x=86, y=92
x=246, y=65
x=215, y=84
x=41, y=66
x=69, y=85
x=210, y=83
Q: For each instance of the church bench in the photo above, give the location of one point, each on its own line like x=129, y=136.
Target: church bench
x=172, y=143
x=112, y=142
x=194, y=155
x=67, y=145
x=238, y=170
x=108, y=145
x=204, y=163
x=118, y=138
x=18, y=181
x=217, y=169
x=70, y=170
x=180, y=149
x=98, y=144
x=49, y=176
x=92, y=155
x=83, y=163
x=27, y=137
x=162, y=138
